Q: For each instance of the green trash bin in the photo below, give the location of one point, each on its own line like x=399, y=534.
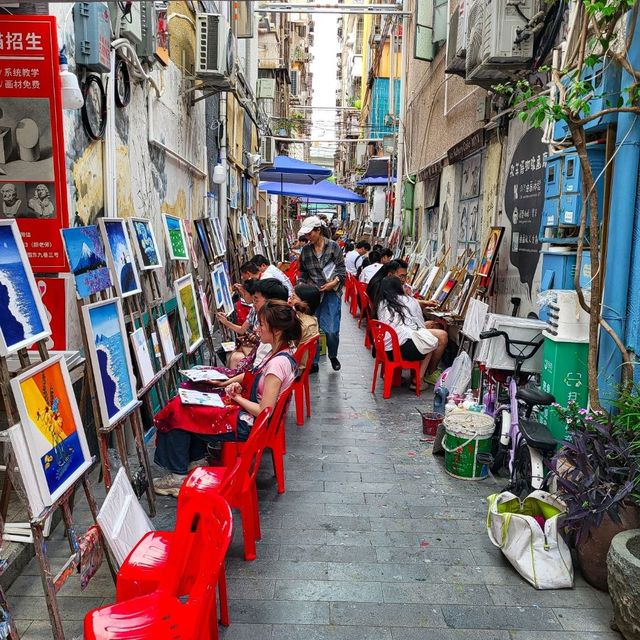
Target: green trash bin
x=565, y=375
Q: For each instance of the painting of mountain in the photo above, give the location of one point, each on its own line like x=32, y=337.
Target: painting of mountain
x=110, y=358
x=22, y=315
x=120, y=256
x=87, y=260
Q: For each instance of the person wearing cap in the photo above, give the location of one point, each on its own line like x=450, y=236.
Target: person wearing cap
x=322, y=264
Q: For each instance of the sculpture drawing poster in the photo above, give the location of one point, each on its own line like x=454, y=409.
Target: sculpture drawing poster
x=52, y=427
x=23, y=318
x=87, y=260
x=33, y=182
x=110, y=359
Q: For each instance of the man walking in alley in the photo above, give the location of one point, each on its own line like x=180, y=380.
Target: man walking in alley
x=322, y=264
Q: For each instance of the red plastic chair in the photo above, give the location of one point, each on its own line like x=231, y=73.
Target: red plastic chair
x=142, y=570
x=301, y=390
x=390, y=368
x=349, y=288
x=163, y=614
x=353, y=309
x=275, y=440
x=365, y=305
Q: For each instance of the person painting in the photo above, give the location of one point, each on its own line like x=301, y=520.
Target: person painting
x=179, y=447
x=268, y=270
x=354, y=257
x=306, y=300
x=322, y=264
x=397, y=268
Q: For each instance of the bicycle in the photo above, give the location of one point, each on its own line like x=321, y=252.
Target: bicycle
x=521, y=445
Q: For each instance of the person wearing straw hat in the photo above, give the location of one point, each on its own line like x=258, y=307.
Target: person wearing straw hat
x=322, y=264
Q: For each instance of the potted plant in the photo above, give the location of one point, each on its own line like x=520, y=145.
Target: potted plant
x=597, y=476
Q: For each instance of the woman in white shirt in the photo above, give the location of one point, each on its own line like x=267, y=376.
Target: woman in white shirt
x=404, y=314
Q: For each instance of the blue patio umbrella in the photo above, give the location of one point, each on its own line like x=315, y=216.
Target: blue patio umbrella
x=290, y=170
x=323, y=192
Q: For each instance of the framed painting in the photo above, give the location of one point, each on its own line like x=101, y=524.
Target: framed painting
x=52, y=428
x=442, y=296
x=203, y=239
x=188, y=235
x=217, y=287
x=56, y=293
x=490, y=253
x=219, y=245
x=143, y=357
x=87, y=259
x=441, y=285
x=189, y=314
x=244, y=231
x=124, y=272
x=204, y=301
x=174, y=233
x=110, y=359
x=144, y=242
x=166, y=339
x=23, y=318
x=470, y=183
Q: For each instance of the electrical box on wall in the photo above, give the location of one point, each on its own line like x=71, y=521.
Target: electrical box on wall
x=93, y=35
x=127, y=23
x=148, y=23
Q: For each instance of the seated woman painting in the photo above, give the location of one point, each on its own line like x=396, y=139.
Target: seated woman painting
x=404, y=314
x=305, y=300
x=180, y=445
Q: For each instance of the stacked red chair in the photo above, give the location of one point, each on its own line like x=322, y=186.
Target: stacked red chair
x=391, y=369
x=203, y=526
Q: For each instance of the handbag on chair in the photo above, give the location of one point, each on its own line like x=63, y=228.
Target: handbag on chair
x=424, y=340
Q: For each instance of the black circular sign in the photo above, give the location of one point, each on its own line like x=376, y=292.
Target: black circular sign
x=523, y=201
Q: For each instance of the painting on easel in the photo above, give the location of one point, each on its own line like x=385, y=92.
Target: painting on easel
x=110, y=359
x=120, y=256
x=176, y=241
x=87, y=260
x=188, y=310
x=490, y=252
x=23, y=319
x=52, y=427
x=144, y=241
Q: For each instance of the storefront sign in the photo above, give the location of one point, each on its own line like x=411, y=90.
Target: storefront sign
x=432, y=171
x=33, y=182
x=524, y=199
x=466, y=147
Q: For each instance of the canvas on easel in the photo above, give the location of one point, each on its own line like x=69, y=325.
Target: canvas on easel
x=188, y=311
x=174, y=234
x=124, y=272
x=51, y=426
x=145, y=245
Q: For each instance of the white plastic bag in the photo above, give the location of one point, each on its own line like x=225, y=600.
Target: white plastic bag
x=460, y=374
x=540, y=555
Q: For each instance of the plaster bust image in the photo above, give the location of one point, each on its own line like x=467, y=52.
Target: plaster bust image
x=41, y=203
x=10, y=201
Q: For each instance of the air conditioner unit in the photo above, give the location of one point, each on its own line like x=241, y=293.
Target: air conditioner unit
x=267, y=150
x=266, y=88
x=215, y=51
x=492, y=31
x=457, y=41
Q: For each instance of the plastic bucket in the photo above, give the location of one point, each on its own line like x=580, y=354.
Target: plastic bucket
x=467, y=435
x=430, y=422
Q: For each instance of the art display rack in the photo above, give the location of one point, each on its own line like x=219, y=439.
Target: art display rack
x=104, y=432
x=51, y=584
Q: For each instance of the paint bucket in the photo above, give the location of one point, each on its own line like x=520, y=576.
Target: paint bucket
x=467, y=435
x=430, y=422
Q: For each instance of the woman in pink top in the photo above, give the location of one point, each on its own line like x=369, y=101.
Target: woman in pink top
x=178, y=447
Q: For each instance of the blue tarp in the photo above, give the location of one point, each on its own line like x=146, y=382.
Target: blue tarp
x=290, y=170
x=321, y=193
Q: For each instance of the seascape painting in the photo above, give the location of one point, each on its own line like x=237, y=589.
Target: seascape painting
x=110, y=359
x=176, y=241
x=120, y=256
x=52, y=428
x=144, y=242
x=23, y=319
x=189, y=314
x=87, y=260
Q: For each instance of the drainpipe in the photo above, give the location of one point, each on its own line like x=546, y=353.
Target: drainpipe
x=397, y=211
x=109, y=174
x=620, y=240
x=222, y=204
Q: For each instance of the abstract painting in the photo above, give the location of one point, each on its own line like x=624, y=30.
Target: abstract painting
x=23, y=319
x=87, y=260
x=120, y=256
x=52, y=427
x=189, y=314
x=490, y=253
x=110, y=359
x=166, y=339
x=175, y=238
x=144, y=241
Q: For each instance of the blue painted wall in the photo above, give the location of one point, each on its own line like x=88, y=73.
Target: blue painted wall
x=380, y=106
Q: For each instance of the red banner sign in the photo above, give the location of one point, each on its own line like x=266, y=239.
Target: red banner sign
x=33, y=185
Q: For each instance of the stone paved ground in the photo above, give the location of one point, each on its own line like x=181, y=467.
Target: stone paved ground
x=372, y=540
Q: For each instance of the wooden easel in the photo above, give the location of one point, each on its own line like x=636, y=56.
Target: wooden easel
x=51, y=584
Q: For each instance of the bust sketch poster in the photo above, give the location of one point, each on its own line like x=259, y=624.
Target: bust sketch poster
x=33, y=186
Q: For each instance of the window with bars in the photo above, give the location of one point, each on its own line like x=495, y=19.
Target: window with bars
x=430, y=28
x=359, y=36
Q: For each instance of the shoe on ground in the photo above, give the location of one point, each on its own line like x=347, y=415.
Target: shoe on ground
x=433, y=377
x=168, y=485
x=203, y=462
x=314, y=368
x=423, y=386
x=335, y=363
